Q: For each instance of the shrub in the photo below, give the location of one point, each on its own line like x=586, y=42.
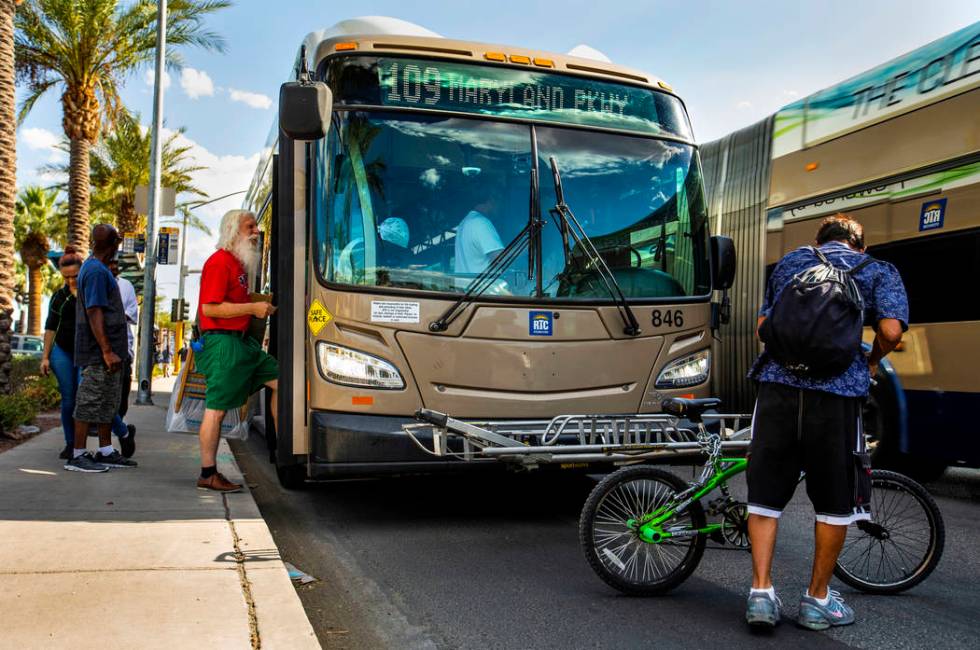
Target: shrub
x=43, y=392
x=16, y=409
x=23, y=368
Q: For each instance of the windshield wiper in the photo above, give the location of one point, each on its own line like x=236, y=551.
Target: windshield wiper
x=566, y=220
x=478, y=285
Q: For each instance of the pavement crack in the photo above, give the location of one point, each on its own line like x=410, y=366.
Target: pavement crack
x=253, y=621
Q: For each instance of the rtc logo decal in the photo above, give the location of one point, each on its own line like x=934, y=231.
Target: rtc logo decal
x=932, y=215
x=540, y=323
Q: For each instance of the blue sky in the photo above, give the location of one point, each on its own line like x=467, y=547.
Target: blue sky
x=733, y=63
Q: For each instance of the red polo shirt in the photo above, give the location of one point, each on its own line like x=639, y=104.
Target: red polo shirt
x=223, y=279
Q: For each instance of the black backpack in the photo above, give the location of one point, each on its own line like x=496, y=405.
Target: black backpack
x=814, y=329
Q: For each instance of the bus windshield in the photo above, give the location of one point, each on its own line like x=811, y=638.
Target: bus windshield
x=425, y=202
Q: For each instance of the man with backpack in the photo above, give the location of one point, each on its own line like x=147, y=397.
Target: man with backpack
x=813, y=378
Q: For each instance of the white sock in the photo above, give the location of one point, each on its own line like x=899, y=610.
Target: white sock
x=823, y=601
x=105, y=451
x=771, y=592
x=77, y=452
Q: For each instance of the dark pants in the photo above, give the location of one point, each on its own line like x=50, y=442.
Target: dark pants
x=118, y=424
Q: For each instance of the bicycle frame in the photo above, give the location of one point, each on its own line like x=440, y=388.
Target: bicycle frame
x=650, y=527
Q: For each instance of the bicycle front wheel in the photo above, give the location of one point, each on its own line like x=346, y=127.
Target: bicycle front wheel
x=901, y=544
x=614, y=549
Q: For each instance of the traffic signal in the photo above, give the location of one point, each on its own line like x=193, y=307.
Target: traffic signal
x=178, y=310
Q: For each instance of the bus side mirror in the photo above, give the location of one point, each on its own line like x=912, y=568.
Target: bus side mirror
x=304, y=109
x=723, y=262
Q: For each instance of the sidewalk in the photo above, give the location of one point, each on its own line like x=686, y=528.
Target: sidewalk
x=138, y=558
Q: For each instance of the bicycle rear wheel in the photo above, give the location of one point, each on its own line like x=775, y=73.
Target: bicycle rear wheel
x=902, y=543
x=615, y=551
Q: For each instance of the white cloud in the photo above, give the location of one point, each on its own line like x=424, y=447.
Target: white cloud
x=255, y=100
x=196, y=83
x=223, y=174
x=790, y=94
x=439, y=160
x=430, y=177
x=42, y=140
x=743, y=105
x=148, y=79
x=38, y=138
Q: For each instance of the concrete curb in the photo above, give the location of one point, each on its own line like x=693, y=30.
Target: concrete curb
x=275, y=608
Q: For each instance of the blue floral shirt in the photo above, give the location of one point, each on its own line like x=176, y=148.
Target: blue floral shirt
x=884, y=296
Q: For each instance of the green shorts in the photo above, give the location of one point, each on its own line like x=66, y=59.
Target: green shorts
x=234, y=368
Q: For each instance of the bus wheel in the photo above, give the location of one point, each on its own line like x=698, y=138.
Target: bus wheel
x=291, y=477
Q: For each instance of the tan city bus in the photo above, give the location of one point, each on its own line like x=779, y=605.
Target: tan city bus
x=898, y=148
x=489, y=231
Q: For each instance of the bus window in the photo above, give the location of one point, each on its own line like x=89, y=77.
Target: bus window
x=403, y=188
x=640, y=201
x=934, y=270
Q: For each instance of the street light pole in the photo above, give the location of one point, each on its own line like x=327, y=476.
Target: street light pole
x=145, y=350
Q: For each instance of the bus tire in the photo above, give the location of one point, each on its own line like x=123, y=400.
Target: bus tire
x=291, y=477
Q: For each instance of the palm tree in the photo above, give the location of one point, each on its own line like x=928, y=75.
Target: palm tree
x=38, y=219
x=121, y=161
x=88, y=48
x=8, y=185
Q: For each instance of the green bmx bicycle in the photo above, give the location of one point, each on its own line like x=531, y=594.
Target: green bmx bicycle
x=644, y=530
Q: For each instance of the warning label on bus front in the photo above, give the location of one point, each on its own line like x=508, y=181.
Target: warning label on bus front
x=385, y=311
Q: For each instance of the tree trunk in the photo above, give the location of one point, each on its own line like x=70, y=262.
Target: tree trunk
x=126, y=218
x=8, y=186
x=35, y=287
x=78, y=194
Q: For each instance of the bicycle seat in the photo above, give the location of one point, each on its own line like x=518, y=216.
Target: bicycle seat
x=689, y=408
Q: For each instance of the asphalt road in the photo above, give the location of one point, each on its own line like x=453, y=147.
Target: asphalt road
x=493, y=561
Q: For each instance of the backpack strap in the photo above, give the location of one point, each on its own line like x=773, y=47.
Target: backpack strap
x=860, y=265
x=820, y=256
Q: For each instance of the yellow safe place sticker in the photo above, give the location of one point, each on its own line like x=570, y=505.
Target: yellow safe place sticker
x=317, y=317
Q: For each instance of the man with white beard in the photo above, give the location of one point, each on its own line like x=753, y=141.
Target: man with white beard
x=233, y=364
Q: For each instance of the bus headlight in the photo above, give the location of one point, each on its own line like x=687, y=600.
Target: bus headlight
x=686, y=371
x=342, y=365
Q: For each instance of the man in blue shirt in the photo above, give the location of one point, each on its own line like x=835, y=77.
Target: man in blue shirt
x=814, y=425
x=100, y=348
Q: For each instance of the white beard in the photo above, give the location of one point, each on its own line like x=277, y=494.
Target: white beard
x=247, y=252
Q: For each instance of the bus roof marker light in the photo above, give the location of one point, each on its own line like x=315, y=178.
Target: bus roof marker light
x=811, y=166
x=666, y=86
x=544, y=63
x=345, y=47
x=520, y=58
x=494, y=56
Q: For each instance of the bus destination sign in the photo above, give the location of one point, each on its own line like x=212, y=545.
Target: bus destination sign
x=508, y=92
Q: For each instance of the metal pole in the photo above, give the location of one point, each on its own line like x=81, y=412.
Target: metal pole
x=145, y=366
x=179, y=325
x=183, y=245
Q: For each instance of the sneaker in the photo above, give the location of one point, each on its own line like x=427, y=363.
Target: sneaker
x=762, y=611
x=127, y=445
x=66, y=452
x=115, y=459
x=815, y=616
x=85, y=463
x=218, y=483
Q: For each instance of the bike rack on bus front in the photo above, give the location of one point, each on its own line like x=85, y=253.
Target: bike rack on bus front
x=573, y=439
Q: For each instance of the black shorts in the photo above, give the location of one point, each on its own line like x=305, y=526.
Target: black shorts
x=796, y=430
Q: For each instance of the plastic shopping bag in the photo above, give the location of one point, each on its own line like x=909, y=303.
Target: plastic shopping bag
x=186, y=409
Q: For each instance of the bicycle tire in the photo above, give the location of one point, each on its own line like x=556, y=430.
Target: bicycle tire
x=865, y=560
x=604, y=561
